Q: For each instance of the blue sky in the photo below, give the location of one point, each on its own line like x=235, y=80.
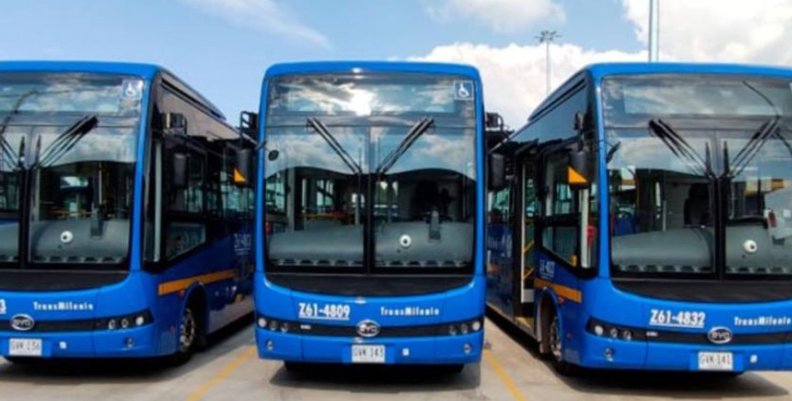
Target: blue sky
x=222, y=47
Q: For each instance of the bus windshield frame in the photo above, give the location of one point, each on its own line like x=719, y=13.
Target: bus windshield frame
x=68, y=164
x=695, y=162
x=343, y=140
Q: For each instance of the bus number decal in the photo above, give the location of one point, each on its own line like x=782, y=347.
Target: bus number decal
x=688, y=319
x=312, y=310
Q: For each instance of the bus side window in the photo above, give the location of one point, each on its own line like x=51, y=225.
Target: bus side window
x=559, y=233
x=186, y=228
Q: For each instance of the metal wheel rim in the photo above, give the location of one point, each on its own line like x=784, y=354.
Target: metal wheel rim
x=555, y=339
x=186, y=331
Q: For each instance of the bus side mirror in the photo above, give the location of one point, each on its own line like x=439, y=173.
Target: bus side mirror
x=497, y=172
x=578, y=174
x=179, y=177
x=244, y=167
x=248, y=123
x=174, y=123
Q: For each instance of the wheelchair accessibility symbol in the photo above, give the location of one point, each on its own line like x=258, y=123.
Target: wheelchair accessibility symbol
x=463, y=90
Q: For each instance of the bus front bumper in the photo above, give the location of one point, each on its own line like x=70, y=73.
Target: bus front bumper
x=133, y=342
x=457, y=349
x=608, y=353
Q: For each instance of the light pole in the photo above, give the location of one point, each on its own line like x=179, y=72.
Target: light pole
x=547, y=37
x=654, y=30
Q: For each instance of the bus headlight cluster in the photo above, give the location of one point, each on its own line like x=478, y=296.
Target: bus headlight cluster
x=463, y=328
x=615, y=332
x=273, y=325
x=124, y=322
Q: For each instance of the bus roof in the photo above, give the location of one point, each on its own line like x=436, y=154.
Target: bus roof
x=370, y=66
x=146, y=71
x=600, y=70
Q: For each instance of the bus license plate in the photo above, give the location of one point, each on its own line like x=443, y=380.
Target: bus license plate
x=24, y=347
x=368, y=354
x=721, y=361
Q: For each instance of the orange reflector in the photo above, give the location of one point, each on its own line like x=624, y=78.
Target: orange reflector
x=573, y=177
x=239, y=178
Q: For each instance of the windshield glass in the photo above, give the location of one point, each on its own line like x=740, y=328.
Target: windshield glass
x=386, y=154
x=77, y=168
x=662, y=181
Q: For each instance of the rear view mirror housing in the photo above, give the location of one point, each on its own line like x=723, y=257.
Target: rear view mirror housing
x=244, y=167
x=578, y=172
x=248, y=123
x=174, y=123
x=496, y=172
x=179, y=177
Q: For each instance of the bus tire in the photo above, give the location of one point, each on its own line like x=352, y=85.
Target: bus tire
x=296, y=367
x=23, y=361
x=451, y=369
x=554, y=344
x=191, y=333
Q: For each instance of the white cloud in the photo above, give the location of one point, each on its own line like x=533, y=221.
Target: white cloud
x=265, y=15
x=514, y=76
x=504, y=16
x=755, y=31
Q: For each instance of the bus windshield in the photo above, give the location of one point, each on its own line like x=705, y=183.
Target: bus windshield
x=382, y=156
x=67, y=154
x=673, y=142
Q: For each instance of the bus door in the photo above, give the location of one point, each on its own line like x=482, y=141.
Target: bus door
x=525, y=261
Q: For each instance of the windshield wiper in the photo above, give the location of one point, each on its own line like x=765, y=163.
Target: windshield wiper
x=681, y=148
x=751, y=149
x=322, y=130
x=6, y=150
x=412, y=135
x=65, y=142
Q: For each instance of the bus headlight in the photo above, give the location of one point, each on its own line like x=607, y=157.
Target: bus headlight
x=626, y=334
x=262, y=322
x=615, y=332
x=599, y=330
x=476, y=325
x=132, y=320
x=465, y=327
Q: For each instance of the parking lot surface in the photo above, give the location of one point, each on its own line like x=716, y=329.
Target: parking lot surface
x=230, y=370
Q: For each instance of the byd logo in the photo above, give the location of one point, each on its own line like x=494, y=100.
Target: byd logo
x=22, y=323
x=368, y=328
x=720, y=335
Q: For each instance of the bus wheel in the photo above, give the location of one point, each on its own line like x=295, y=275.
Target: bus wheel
x=555, y=345
x=453, y=369
x=22, y=361
x=191, y=335
x=297, y=367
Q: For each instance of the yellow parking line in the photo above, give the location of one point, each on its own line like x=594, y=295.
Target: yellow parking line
x=496, y=366
x=200, y=392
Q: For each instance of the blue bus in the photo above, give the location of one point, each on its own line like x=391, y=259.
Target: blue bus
x=125, y=231
x=644, y=219
x=370, y=214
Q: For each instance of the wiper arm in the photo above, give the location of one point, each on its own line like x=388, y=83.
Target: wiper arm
x=751, y=149
x=681, y=148
x=7, y=151
x=322, y=130
x=412, y=135
x=65, y=142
